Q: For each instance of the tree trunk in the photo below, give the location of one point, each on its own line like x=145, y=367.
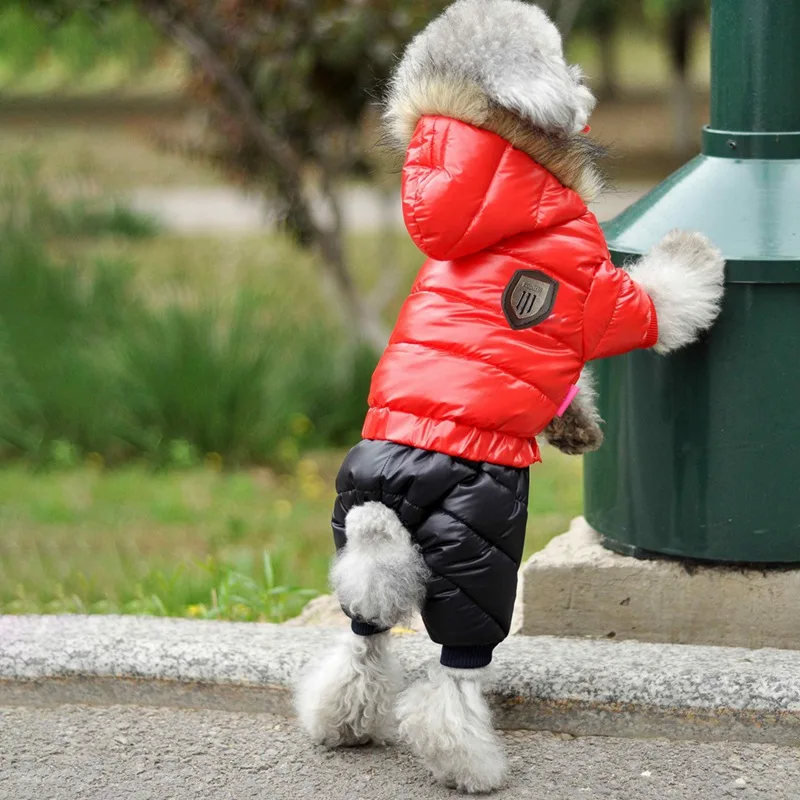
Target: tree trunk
x=566, y=16
x=360, y=316
x=390, y=277
x=608, y=55
x=360, y=319
x=679, y=35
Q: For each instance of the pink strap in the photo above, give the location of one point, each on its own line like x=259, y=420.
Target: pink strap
x=573, y=391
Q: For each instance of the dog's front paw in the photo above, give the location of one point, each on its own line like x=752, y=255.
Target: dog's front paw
x=693, y=249
x=574, y=433
x=683, y=274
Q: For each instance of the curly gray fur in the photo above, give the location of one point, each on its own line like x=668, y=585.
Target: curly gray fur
x=577, y=430
x=445, y=720
x=683, y=274
x=379, y=576
x=349, y=698
x=511, y=79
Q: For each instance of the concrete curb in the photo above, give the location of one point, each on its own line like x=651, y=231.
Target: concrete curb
x=576, y=686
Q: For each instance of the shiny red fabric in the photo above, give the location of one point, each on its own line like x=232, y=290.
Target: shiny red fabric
x=456, y=378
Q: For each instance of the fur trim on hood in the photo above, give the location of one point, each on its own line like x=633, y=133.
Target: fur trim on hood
x=499, y=65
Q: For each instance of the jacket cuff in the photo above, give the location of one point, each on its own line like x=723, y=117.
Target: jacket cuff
x=365, y=628
x=467, y=657
x=652, y=329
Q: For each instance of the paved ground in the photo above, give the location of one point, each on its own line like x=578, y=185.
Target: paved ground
x=130, y=753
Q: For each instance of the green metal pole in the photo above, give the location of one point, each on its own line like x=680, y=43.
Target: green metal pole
x=702, y=453
x=755, y=65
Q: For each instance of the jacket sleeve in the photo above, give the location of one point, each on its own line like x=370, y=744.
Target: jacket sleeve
x=619, y=315
x=465, y=189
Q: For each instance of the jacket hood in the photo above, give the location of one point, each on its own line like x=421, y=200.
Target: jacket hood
x=498, y=65
x=466, y=189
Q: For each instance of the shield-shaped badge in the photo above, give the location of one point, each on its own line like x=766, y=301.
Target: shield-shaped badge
x=529, y=298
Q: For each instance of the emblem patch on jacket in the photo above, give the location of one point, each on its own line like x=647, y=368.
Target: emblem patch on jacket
x=529, y=298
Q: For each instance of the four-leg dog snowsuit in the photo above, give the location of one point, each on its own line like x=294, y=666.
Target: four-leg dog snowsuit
x=517, y=295
x=467, y=518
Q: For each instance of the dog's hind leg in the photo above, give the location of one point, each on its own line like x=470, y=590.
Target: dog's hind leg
x=379, y=577
x=348, y=698
x=446, y=722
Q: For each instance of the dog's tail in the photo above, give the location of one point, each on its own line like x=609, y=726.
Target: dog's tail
x=379, y=576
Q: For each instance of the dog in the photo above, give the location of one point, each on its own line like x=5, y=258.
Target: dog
x=517, y=295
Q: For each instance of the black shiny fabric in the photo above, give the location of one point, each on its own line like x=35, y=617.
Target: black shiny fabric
x=469, y=521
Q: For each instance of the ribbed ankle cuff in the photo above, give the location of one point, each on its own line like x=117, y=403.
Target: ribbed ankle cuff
x=467, y=657
x=365, y=629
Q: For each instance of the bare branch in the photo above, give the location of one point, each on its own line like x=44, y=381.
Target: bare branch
x=386, y=289
x=390, y=277
x=331, y=196
x=279, y=151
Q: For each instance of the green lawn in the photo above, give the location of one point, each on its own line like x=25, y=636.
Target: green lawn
x=192, y=543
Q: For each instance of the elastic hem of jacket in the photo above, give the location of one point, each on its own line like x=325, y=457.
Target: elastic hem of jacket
x=473, y=657
x=450, y=438
x=365, y=629
x=652, y=329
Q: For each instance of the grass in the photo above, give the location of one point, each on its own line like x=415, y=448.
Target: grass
x=193, y=542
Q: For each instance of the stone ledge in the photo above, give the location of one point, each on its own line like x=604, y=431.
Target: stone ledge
x=575, y=587
x=576, y=686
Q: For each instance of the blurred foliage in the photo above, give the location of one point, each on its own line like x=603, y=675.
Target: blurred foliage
x=79, y=36
x=307, y=71
x=288, y=86
x=87, y=367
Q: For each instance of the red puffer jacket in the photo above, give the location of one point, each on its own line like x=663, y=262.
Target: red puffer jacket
x=518, y=294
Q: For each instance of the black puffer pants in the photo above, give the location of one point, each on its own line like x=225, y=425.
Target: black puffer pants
x=468, y=520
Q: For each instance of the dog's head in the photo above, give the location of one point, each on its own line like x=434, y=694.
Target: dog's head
x=483, y=55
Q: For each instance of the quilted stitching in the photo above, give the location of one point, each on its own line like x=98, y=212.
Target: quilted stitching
x=462, y=556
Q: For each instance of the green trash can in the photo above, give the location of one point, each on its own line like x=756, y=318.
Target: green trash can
x=702, y=451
